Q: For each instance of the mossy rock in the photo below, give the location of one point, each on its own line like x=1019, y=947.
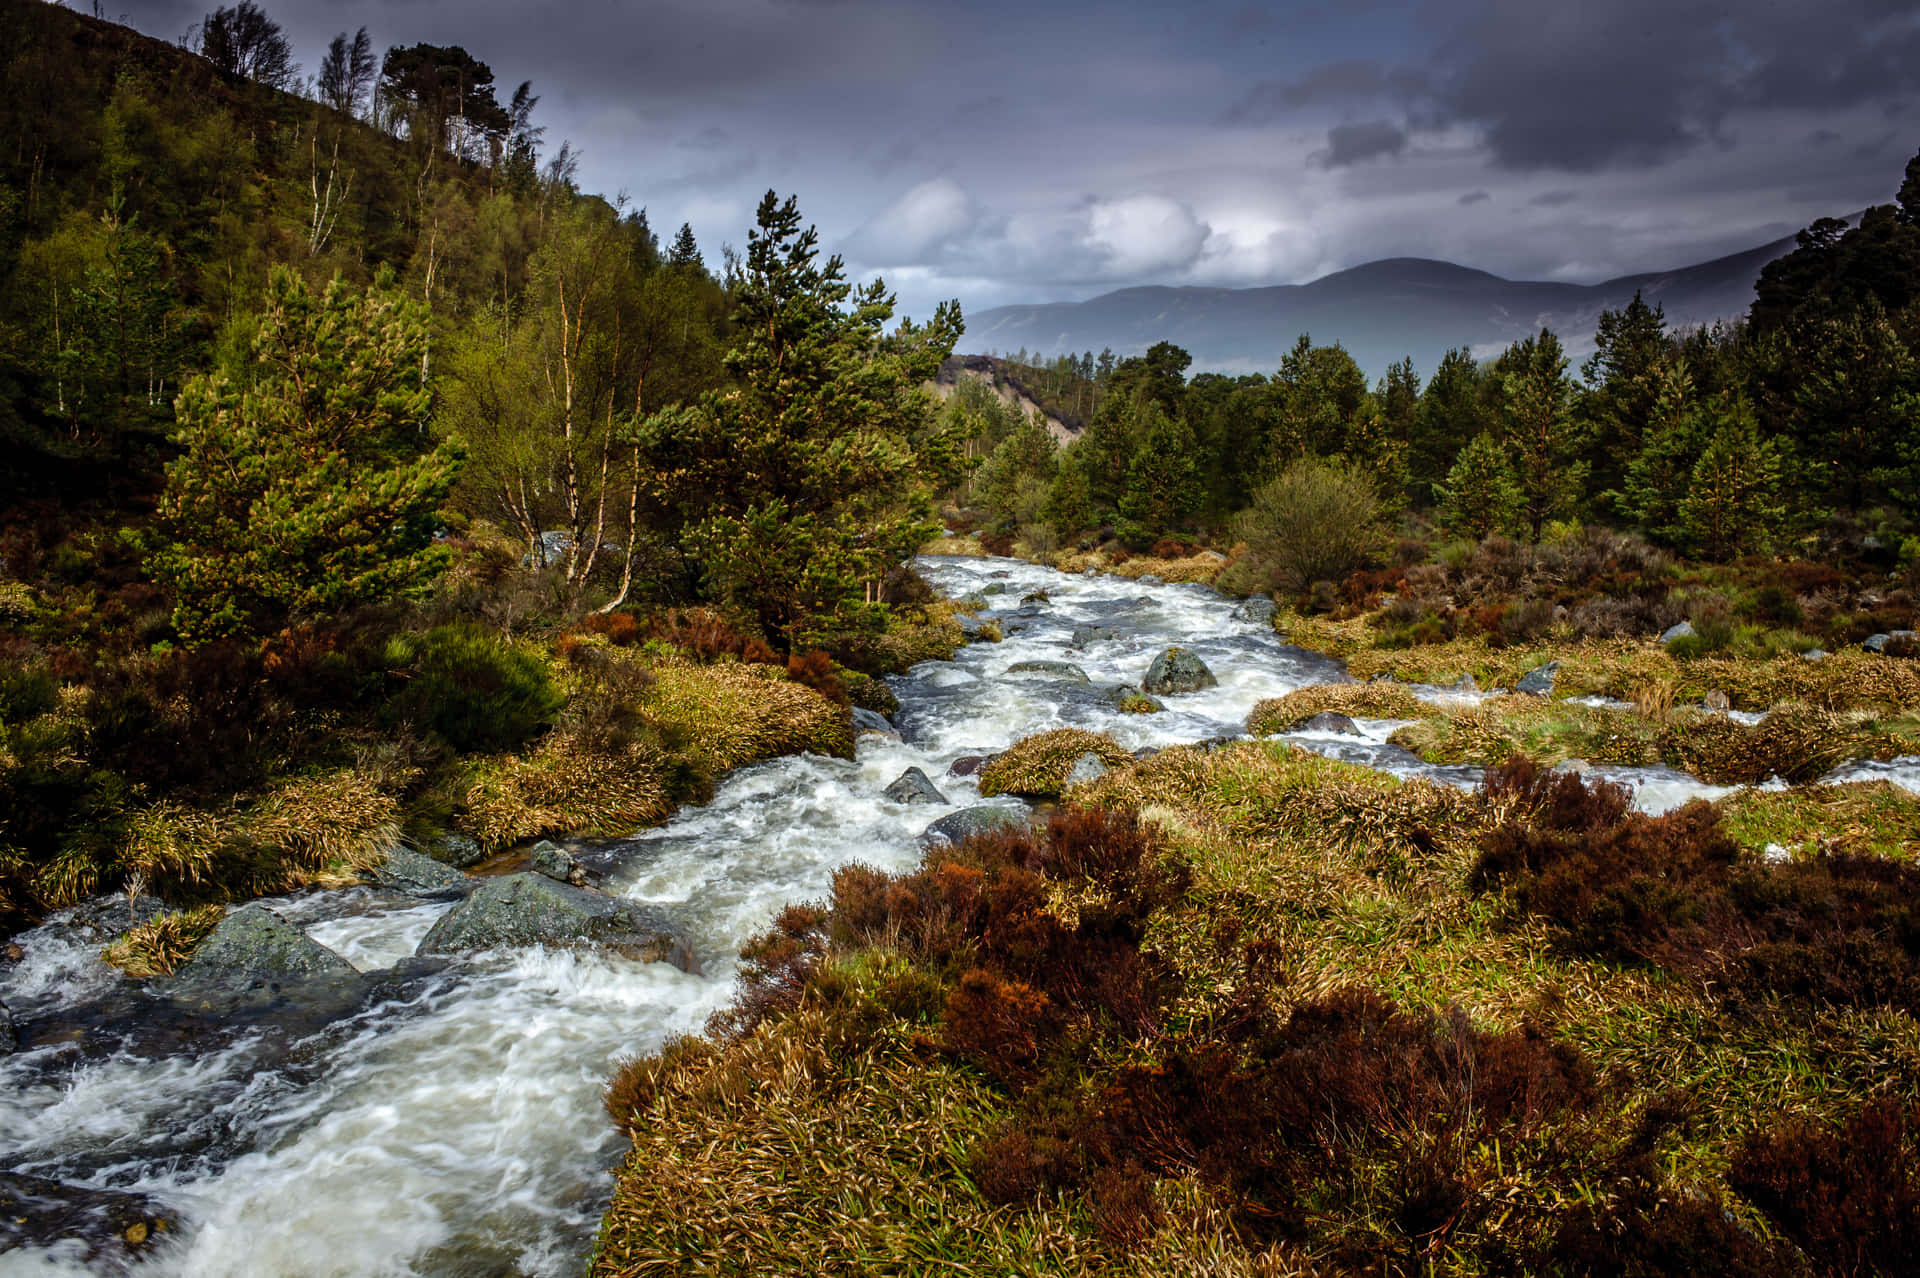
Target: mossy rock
x=253, y=949
x=530, y=909
x=1037, y=767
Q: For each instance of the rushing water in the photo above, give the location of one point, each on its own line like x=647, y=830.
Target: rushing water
x=451, y=1125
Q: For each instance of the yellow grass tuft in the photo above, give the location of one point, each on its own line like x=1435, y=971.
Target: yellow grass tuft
x=160, y=946
x=1356, y=700
x=1037, y=766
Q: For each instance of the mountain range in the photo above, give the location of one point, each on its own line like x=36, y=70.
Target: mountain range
x=1381, y=312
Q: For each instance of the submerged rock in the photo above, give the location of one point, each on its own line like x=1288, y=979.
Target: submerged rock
x=1084, y=635
x=969, y=765
x=1088, y=767
x=1127, y=698
x=105, y=917
x=986, y=818
x=1149, y=579
x=556, y=863
x=9, y=1037
x=1257, y=609
x=456, y=850
x=912, y=786
x=531, y=909
x=1539, y=680
x=1175, y=671
x=112, y=1227
x=422, y=875
x=1049, y=670
x=1037, y=597
x=253, y=950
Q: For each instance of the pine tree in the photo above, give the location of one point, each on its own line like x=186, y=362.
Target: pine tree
x=1541, y=433
x=300, y=490
x=1630, y=348
x=685, y=251
x=1163, y=483
x=1658, y=478
x=1069, y=506
x=1448, y=416
x=1481, y=495
x=1733, y=505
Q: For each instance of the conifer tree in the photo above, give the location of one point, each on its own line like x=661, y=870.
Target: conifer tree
x=685, y=251
x=1733, y=504
x=1481, y=495
x=301, y=489
x=1541, y=433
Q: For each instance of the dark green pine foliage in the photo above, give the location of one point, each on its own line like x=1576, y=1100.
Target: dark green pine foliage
x=1623, y=375
x=301, y=489
x=1163, y=482
x=799, y=487
x=685, y=251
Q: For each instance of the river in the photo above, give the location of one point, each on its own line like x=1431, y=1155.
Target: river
x=452, y=1125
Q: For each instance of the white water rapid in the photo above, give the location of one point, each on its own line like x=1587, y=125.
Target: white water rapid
x=452, y=1124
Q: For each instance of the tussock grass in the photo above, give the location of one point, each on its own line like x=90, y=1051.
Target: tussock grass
x=928, y=633
x=1037, y=766
x=1867, y=818
x=160, y=946
x=1356, y=700
x=563, y=789
x=1200, y=567
x=729, y=715
x=967, y=547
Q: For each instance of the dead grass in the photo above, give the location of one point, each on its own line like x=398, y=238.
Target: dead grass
x=966, y=547
x=1037, y=766
x=159, y=947
x=1356, y=700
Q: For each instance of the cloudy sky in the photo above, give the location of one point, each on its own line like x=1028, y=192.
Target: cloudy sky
x=1001, y=152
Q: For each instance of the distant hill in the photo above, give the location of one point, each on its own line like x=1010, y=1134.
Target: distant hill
x=1381, y=312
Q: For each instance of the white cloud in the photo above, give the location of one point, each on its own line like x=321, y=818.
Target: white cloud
x=1144, y=235
x=916, y=226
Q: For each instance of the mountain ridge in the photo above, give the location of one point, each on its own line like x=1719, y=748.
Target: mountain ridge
x=1381, y=311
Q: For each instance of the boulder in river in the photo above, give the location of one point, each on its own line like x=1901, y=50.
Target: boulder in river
x=113, y=1228
x=865, y=721
x=1049, y=670
x=1328, y=721
x=1084, y=635
x=912, y=786
x=985, y=818
x=969, y=765
x=1086, y=768
x=556, y=863
x=531, y=909
x=9, y=1037
x=1539, y=680
x=1037, y=597
x=105, y=917
x=456, y=850
x=1257, y=609
x=1175, y=671
x=254, y=950
x=409, y=871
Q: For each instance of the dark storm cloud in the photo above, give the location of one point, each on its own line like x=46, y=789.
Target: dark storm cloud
x=1354, y=143
x=1003, y=151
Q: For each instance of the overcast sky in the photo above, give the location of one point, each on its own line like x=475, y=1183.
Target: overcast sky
x=1001, y=152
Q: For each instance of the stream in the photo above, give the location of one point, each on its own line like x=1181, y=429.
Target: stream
x=450, y=1124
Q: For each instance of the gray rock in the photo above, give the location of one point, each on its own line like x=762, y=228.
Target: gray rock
x=1878, y=643
x=411, y=872
x=1815, y=654
x=970, y=626
x=991, y=588
x=255, y=949
x=9, y=1037
x=105, y=917
x=556, y=863
x=1175, y=671
x=1084, y=635
x=973, y=597
x=912, y=786
x=531, y=909
x=1087, y=767
x=969, y=765
x=1257, y=609
x=1116, y=695
x=958, y=827
x=1682, y=631
x=1150, y=580
x=1466, y=684
x=456, y=850
x=1049, y=670
x=109, y=1229
x=865, y=721
x=1327, y=721
x=1037, y=597
x=1539, y=680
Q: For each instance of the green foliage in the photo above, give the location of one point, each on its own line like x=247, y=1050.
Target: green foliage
x=1163, y=483
x=1481, y=495
x=1318, y=521
x=474, y=690
x=1540, y=430
x=300, y=490
x=1734, y=504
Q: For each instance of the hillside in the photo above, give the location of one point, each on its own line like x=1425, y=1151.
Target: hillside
x=1381, y=312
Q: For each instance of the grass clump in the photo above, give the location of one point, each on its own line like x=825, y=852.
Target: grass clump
x=1037, y=766
x=1865, y=818
x=1357, y=700
x=158, y=947
x=471, y=688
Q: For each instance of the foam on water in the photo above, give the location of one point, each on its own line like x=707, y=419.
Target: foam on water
x=454, y=1126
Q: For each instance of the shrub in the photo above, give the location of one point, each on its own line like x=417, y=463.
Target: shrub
x=815, y=670
x=1037, y=766
x=473, y=689
x=1319, y=521
x=1848, y=1195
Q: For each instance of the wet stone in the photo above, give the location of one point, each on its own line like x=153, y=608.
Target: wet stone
x=1084, y=635
x=1327, y=721
x=9, y=1037
x=409, y=871
x=969, y=765
x=1175, y=671
x=1539, y=680
x=111, y=1227
x=456, y=850
x=1049, y=670
x=958, y=827
x=253, y=949
x=1682, y=631
x=865, y=721
x=912, y=786
x=555, y=862
x=105, y=917
x=1258, y=610
x=531, y=909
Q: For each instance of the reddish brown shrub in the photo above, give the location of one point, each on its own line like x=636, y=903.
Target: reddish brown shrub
x=706, y=635
x=1848, y=1195
x=1171, y=548
x=1120, y=1200
x=1000, y=1025
x=815, y=669
x=996, y=543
